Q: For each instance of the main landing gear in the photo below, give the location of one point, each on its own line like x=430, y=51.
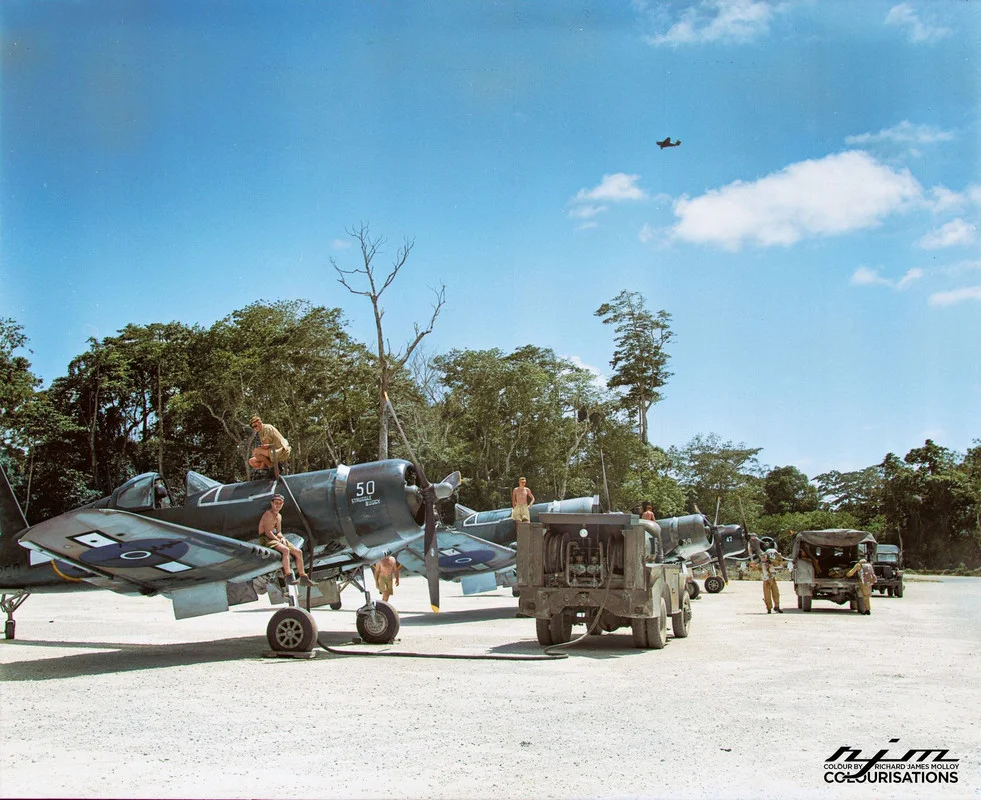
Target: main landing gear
x=294, y=630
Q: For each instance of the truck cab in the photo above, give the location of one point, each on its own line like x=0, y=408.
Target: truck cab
x=888, y=567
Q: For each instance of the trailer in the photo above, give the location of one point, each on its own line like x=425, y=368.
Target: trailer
x=602, y=571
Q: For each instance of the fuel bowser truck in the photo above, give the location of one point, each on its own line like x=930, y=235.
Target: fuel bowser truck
x=605, y=571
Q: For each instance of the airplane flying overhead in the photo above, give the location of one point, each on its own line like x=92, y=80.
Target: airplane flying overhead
x=666, y=142
x=200, y=554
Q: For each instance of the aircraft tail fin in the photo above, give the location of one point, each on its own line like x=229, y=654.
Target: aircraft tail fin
x=462, y=512
x=12, y=522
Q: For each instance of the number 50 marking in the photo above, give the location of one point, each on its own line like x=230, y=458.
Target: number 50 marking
x=364, y=488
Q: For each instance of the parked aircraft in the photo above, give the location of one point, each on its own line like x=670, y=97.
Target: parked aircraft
x=702, y=545
x=666, y=142
x=201, y=553
x=479, y=548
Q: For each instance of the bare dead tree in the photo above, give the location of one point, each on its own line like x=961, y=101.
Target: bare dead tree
x=388, y=362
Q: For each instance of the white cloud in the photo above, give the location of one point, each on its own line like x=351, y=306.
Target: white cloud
x=903, y=133
x=955, y=233
x=956, y=296
x=718, y=21
x=866, y=276
x=615, y=187
x=340, y=244
x=586, y=212
x=911, y=276
x=825, y=197
x=905, y=18
x=646, y=233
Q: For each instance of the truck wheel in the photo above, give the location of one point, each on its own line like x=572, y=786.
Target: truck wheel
x=543, y=627
x=651, y=633
x=860, y=605
x=693, y=590
x=714, y=584
x=805, y=603
x=852, y=604
x=899, y=590
x=681, y=621
x=561, y=626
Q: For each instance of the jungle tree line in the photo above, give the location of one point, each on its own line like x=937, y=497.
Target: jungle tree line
x=172, y=398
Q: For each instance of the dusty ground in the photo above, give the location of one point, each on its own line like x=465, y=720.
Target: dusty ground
x=110, y=696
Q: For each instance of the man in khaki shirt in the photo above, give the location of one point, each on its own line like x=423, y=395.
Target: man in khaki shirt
x=273, y=448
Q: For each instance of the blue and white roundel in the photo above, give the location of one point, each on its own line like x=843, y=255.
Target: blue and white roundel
x=456, y=559
x=143, y=553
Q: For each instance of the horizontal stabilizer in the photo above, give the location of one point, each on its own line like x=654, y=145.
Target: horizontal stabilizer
x=475, y=584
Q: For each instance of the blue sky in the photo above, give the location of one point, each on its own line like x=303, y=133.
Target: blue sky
x=815, y=237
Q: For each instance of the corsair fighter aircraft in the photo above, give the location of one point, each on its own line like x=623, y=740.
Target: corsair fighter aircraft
x=198, y=554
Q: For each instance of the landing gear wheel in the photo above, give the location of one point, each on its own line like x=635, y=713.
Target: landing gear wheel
x=336, y=606
x=543, y=627
x=378, y=624
x=714, y=584
x=805, y=603
x=651, y=633
x=8, y=629
x=561, y=628
x=681, y=622
x=693, y=590
x=515, y=592
x=292, y=630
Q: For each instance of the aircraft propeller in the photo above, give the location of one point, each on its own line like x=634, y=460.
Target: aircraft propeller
x=429, y=493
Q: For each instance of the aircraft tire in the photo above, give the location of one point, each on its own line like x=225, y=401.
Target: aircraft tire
x=543, y=627
x=515, y=592
x=693, y=590
x=681, y=621
x=9, y=628
x=561, y=628
x=714, y=584
x=292, y=630
x=379, y=627
x=805, y=603
x=336, y=606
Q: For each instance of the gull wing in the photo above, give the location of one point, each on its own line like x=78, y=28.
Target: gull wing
x=460, y=554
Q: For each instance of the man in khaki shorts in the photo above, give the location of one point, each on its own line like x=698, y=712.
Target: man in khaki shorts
x=386, y=571
x=273, y=449
x=270, y=535
x=521, y=498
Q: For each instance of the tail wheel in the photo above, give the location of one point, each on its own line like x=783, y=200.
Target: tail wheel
x=681, y=621
x=378, y=624
x=292, y=630
x=714, y=584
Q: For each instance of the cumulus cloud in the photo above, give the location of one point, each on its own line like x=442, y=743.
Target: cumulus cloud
x=953, y=296
x=866, y=276
x=586, y=212
x=903, y=133
x=598, y=379
x=955, y=233
x=905, y=18
x=616, y=187
x=717, y=21
x=824, y=197
x=340, y=244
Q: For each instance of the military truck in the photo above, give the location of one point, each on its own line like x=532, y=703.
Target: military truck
x=822, y=559
x=603, y=571
x=888, y=567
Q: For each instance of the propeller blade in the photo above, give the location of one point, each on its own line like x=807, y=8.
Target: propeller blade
x=446, y=487
x=429, y=493
x=432, y=549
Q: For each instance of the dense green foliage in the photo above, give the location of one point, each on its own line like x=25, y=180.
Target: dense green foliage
x=172, y=398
